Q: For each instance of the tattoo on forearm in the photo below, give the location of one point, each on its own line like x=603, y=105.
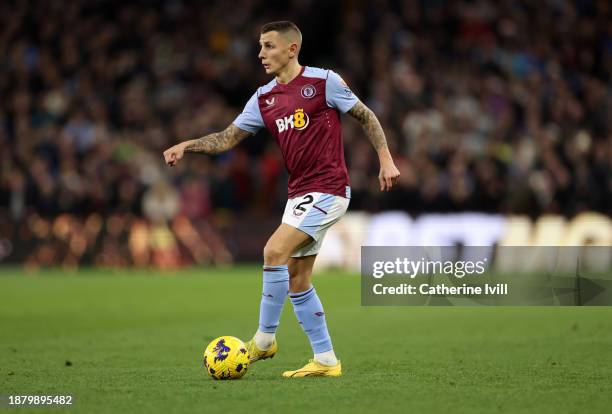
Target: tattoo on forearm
x=218, y=141
x=370, y=125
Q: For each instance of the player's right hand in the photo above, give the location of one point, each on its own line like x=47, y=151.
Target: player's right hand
x=388, y=176
x=174, y=154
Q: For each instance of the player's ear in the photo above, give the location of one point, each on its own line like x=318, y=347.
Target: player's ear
x=293, y=50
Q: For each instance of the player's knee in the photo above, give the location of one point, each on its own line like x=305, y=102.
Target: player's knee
x=274, y=255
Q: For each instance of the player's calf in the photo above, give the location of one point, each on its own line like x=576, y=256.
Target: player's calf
x=275, y=286
x=299, y=283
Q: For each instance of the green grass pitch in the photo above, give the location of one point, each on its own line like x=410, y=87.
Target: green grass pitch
x=131, y=341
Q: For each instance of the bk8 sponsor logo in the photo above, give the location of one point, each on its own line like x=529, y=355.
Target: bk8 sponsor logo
x=298, y=120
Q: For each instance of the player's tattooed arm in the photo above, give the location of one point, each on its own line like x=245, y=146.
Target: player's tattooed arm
x=218, y=141
x=209, y=144
x=370, y=125
x=389, y=174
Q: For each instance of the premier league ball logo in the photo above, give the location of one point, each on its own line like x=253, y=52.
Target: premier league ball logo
x=308, y=91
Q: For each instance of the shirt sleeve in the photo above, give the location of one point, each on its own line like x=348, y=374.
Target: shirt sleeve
x=250, y=119
x=338, y=94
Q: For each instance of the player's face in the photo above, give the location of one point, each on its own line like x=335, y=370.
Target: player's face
x=274, y=53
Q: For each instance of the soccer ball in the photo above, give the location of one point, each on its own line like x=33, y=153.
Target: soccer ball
x=226, y=358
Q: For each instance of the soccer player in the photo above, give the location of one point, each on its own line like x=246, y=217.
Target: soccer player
x=301, y=107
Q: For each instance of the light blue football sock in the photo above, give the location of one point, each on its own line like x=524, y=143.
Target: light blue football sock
x=309, y=311
x=275, y=289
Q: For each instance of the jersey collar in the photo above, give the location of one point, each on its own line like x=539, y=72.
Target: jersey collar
x=292, y=80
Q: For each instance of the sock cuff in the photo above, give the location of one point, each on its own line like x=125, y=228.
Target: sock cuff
x=299, y=294
x=278, y=268
x=273, y=274
x=298, y=298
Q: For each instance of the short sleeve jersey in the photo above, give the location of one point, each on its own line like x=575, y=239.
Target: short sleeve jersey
x=304, y=116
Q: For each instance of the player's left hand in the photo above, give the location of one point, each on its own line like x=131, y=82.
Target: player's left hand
x=388, y=176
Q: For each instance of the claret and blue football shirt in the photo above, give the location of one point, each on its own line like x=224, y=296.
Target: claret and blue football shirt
x=304, y=116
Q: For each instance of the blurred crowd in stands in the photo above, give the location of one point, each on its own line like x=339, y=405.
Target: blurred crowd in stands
x=496, y=106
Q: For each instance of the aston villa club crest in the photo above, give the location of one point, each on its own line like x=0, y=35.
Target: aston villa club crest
x=308, y=91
